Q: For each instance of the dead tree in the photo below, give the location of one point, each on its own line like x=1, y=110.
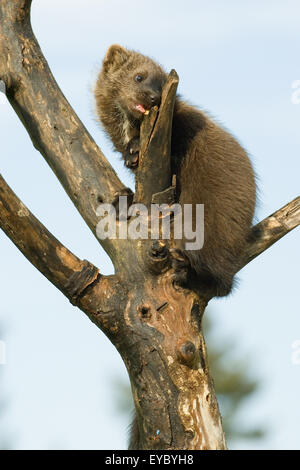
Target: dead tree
x=154, y=324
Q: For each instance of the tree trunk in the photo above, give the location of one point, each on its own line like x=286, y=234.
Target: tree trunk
x=154, y=323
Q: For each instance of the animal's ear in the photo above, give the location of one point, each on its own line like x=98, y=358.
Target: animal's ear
x=115, y=57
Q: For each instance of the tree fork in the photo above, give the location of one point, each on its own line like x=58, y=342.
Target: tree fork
x=154, y=324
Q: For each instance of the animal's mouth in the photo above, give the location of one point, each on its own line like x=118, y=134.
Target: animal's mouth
x=139, y=107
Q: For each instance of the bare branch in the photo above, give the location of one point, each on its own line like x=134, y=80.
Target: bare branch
x=53, y=126
x=60, y=266
x=271, y=229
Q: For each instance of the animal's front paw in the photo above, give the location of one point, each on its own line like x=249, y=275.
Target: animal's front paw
x=131, y=157
x=116, y=200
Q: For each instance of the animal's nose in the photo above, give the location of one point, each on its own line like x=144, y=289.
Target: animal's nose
x=155, y=99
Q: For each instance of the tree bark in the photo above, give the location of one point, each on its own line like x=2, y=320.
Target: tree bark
x=154, y=324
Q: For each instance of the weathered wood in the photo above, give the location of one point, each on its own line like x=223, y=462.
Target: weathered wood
x=55, y=129
x=39, y=246
x=155, y=325
x=154, y=171
x=271, y=229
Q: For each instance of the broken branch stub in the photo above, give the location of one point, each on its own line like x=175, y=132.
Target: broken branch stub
x=154, y=171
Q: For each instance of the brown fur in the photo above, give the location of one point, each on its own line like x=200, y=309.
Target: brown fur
x=211, y=166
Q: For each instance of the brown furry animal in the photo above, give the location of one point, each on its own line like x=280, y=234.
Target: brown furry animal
x=211, y=166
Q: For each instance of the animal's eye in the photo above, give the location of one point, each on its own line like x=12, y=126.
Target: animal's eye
x=138, y=78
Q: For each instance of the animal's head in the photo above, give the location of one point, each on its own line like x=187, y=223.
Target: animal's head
x=135, y=80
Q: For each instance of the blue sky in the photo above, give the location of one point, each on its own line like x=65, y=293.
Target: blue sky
x=238, y=61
